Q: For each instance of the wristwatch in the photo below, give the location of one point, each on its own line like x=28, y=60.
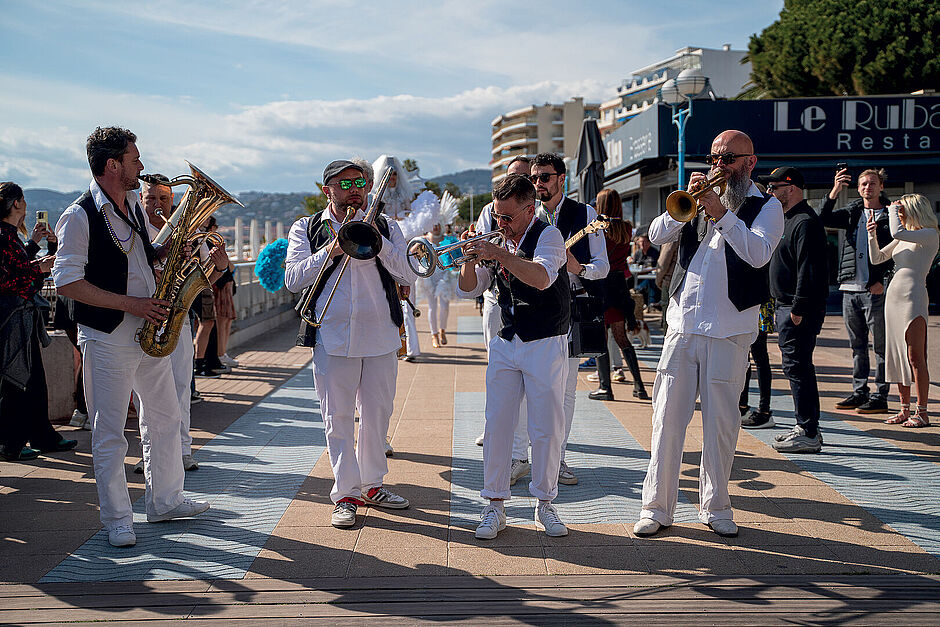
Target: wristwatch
x=582, y=271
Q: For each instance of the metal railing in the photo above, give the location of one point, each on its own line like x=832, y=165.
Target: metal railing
x=252, y=300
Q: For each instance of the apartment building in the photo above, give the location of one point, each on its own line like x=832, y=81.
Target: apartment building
x=538, y=128
x=724, y=68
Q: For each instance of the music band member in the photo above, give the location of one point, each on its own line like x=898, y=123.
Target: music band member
x=586, y=263
x=716, y=291
x=528, y=356
x=105, y=263
x=159, y=198
x=355, y=353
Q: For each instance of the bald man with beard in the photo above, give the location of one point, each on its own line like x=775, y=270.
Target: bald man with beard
x=715, y=294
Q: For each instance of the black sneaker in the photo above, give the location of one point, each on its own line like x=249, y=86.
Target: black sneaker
x=874, y=406
x=758, y=420
x=853, y=401
x=205, y=373
x=600, y=394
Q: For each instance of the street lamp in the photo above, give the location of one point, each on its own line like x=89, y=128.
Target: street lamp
x=678, y=91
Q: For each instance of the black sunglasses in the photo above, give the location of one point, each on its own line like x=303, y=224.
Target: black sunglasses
x=772, y=186
x=726, y=158
x=544, y=177
x=347, y=184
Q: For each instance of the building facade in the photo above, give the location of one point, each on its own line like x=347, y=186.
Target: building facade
x=538, y=128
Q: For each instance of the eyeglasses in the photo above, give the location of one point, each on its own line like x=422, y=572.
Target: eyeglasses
x=775, y=186
x=544, y=177
x=347, y=184
x=726, y=158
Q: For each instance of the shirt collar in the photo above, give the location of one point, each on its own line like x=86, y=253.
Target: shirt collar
x=101, y=199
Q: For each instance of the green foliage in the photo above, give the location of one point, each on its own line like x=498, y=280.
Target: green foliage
x=316, y=202
x=463, y=207
x=434, y=187
x=410, y=165
x=847, y=47
x=452, y=188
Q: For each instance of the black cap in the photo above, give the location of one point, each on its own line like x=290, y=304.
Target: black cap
x=785, y=174
x=335, y=167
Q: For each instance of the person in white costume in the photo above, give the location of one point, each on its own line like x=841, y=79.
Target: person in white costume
x=354, y=355
x=529, y=353
x=105, y=263
x=715, y=296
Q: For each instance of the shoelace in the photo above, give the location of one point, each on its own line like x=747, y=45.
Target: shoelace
x=550, y=515
x=490, y=519
x=123, y=529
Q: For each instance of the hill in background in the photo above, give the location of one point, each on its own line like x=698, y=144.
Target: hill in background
x=478, y=181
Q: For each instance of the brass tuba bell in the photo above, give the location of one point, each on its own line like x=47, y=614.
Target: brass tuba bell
x=683, y=205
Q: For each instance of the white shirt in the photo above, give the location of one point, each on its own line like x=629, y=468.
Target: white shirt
x=357, y=324
x=598, y=267
x=72, y=256
x=860, y=282
x=549, y=253
x=701, y=305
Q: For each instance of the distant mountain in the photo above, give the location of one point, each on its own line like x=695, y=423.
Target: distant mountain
x=47, y=200
x=478, y=181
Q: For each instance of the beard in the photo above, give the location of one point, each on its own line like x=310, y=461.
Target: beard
x=544, y=195
x=736, y=190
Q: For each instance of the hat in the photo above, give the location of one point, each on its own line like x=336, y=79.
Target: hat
x=785, y=174
x=335, y=167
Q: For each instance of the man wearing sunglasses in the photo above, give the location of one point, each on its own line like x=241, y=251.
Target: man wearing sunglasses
x=587, y=262
x=528, y=356
x=716, y=291
x=354, y=349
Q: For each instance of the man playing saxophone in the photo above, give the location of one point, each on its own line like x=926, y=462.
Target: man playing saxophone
x=357, y=339
x=105, y=263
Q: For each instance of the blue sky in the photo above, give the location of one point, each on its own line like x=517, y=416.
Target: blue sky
x=262, y=95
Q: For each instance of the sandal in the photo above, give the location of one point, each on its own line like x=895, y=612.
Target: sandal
x=443, y=337
x=901, y=417
x=918, y=420
x=435, y=341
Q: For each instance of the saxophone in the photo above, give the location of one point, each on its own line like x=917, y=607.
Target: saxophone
x=183, y=279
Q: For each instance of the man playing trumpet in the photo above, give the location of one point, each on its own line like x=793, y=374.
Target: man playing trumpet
x=355, y=351
x=715, y=295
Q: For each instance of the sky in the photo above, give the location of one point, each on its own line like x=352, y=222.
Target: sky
x=261, y=95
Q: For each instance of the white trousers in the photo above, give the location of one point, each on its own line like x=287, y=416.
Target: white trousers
x=339, y=381
x=492, y=323
x=533, y=369
x=571, y=390
x=411, y=331
x=439, y=289
x=181, y=361
x=712, y=369
x=110, y=374
x=438, y=310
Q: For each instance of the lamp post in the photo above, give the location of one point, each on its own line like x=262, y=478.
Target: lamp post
x=678, y=91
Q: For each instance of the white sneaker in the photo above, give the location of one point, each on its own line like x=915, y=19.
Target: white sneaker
x=80, y=419
x=344, y=515
x=565, y=476
x=122, y=535
x=618, y=376
x=389, y=451
x=186, y=509
x=646, y=527
x=546, y=518
x=228, y=361
x=479, y=440
x=724, y=527
x=189, y=463
x=520, y=468
x=492, y=521
x=593, y=377
x=383, y=497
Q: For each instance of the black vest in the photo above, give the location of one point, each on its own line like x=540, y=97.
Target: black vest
x=572, y=217
x=320, y=235
x=530, y=313
x=107, y=265
x=747, y=285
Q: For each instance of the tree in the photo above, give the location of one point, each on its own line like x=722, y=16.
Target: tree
x=410, y=165
x=846, y=47
x=452, y=188
x=434, y=187
x=479, y=201
x=316, y=202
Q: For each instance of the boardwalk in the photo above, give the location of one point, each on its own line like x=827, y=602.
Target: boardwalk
x=837, y=537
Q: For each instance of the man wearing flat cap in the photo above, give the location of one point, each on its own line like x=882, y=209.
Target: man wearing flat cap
x=799, y=283
x=354, y=349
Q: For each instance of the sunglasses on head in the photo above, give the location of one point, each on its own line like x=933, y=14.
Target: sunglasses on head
x=544, y=177
x=726, y=158
x=347, y=184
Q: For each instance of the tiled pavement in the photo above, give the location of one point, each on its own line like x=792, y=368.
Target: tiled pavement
x=868, y=504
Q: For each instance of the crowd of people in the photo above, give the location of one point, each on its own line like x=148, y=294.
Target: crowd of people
x=749, y=263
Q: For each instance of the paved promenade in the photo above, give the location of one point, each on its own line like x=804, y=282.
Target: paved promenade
x=837, y=537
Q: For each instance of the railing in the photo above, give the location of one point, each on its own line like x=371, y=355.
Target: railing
x=256, y=309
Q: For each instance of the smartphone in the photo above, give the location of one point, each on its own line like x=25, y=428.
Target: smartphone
x=841, y=166
x=42, y=217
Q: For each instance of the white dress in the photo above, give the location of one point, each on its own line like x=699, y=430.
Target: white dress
x=906, y=297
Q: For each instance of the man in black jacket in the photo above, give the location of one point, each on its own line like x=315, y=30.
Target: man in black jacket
x=862, y=284
x=799, y=281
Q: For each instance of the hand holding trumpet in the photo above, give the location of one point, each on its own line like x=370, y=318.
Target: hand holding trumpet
x=708, y=200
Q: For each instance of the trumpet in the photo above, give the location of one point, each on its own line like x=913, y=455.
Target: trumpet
x=683, y=206
x=424, y=258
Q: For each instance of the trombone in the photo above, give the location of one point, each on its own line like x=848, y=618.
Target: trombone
x=358, y=240
x=424, y=258
x=683, y=206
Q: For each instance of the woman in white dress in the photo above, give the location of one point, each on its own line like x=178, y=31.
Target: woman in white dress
x=916, y=240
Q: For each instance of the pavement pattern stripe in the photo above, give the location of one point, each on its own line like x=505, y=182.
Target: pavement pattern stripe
x=609, y=462
x=249, y=473
x=897, y=487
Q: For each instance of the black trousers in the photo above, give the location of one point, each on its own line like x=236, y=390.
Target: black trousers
x=797, y=343
x=762, y=362
x=24, y=414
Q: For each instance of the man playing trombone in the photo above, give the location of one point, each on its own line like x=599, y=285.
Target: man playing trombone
x=716, y=291
x=356, y=339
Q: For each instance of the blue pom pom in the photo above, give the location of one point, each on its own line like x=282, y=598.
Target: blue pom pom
x=269, y=268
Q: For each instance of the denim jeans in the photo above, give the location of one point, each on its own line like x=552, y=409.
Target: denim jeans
x=797, y=343
x=864, y=313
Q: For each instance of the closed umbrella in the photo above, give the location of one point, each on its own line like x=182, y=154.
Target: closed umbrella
x=591, y=158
